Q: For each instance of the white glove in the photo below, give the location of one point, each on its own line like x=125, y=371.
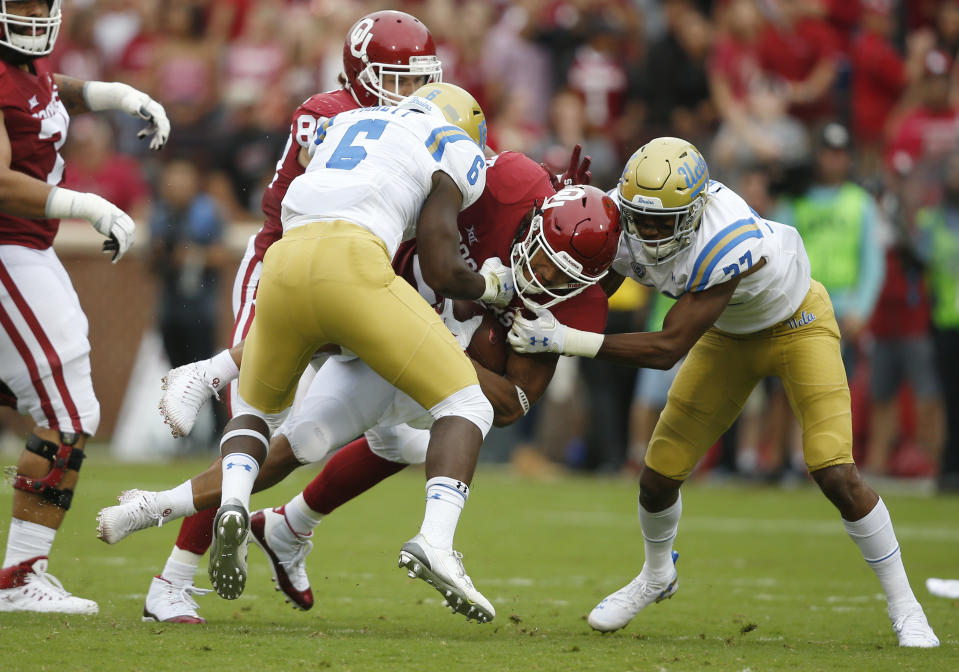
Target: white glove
x=105, y=217
x=499, y=283
x=117, y=96
x=542, y=334
x=462, y=331
x=546, y=334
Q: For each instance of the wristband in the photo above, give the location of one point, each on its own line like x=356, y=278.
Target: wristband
x=582, y=343
x=523, y=400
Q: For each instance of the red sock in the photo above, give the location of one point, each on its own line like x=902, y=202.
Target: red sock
x=351, y=471
x=196, y=531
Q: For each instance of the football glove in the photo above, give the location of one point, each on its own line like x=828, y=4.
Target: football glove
x=105, y=217
x=499, y=283
x=577, y=172
x=546, y=334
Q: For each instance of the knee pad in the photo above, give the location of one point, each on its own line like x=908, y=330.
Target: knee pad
x=469, y=403
x=273, y=420
x=61, y=457
x=399, y=443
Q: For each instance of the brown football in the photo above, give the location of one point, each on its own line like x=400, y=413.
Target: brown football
x=489, y=346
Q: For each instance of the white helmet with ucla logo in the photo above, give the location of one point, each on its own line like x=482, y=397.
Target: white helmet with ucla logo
x=665, y=178
x=30, y=35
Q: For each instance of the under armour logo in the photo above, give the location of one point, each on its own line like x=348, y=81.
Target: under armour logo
x=230, y=465
x=435, y=495
x=533, y=339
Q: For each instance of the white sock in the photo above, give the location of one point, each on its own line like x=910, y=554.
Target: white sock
x=239, y=472
x=222, y=369
x=659, y=530
x=300, y=517
x=876, y=539
x=445, y=499
x=181, y=566
x=178, y=501
x=27, y=540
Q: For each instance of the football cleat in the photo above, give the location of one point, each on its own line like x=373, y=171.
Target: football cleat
x=287, y=552
x=231, y=531
x=28, y=587
x=913, y=629
x=444, y=571
x=618, y=609
x=185, y=389
x=137, y=510
x=172, y=603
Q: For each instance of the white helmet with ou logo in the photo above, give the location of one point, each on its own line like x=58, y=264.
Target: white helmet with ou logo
x=31, y=35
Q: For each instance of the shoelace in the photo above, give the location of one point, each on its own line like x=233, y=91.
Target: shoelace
x=128, y=497
x=910, y=623
x=303, y=548
x=185, y=594
x=47, y=583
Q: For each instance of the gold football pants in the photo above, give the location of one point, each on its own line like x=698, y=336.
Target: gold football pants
x=722, y=369
x=332, y=282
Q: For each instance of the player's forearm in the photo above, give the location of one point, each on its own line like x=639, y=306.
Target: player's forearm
x=501, y=392
x=453, y=279
x=22, y=195
x=70, y=90
x=649, y=350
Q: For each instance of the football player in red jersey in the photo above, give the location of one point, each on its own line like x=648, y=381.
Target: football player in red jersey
x=560, y=252
x=44, y=351
x=386, y=56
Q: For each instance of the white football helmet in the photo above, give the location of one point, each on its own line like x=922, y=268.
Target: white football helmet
x=31, y=35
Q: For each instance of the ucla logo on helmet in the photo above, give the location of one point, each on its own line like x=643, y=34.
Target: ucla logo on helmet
x=695, y=174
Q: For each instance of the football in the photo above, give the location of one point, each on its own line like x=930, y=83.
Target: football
x=488, y=346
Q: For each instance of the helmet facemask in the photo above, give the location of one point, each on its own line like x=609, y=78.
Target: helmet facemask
x=376, y=77
x=33, y=36
x=529, y=285
x=685, y=224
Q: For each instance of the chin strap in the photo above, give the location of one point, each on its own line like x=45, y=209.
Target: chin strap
x=62, y=457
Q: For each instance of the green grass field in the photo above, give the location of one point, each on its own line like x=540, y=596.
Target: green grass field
x=768, y=581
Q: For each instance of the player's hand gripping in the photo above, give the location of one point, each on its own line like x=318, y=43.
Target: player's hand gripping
x=119, y=96
x=542, y=334
x=499, y=283
x=576, y=173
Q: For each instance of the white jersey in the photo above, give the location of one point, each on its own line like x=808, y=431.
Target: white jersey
x=731, y=238
x=374, y=167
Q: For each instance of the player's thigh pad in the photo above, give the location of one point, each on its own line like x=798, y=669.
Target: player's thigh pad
x=812, y=373
x=44, y=349
x=366, y=308
x=709, y=392
x=399, y=443
x=344, y=400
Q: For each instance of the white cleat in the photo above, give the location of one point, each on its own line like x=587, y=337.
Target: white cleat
x=168, y=602
x=137, y=510
x=913, y=629
x=444, y=571
x=231, y=532
x=618, y=609
x=185, y=389
x=287, y=553
x=28, y=587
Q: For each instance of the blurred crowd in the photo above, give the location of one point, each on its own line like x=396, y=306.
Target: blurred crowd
x=840, y=117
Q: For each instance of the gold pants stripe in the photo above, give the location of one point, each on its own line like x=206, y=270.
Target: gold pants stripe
x=722, y=369
x=332, y=282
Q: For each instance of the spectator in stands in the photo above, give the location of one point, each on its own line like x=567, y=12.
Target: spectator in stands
x=837, y=221
x=939, y=227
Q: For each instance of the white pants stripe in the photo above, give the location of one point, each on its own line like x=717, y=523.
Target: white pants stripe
x=244, y=304
x=44, y=350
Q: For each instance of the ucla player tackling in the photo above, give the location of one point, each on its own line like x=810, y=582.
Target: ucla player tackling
x=747, y=308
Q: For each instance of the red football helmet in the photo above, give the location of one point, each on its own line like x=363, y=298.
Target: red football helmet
x=30, y=35
x=388, y=44
x=578, y=229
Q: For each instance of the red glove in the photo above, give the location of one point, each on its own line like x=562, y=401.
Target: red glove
x=577, y=172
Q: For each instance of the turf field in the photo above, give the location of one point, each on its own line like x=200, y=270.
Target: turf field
x=768, y=581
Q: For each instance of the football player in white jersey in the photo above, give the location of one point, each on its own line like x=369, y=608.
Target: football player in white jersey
x=746, y=309
x=377, y=176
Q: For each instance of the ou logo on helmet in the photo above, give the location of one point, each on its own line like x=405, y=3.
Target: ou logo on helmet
x=360, y=37
x=563, y=196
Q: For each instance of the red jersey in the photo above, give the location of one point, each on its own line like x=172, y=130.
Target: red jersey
x=313, y=111
x=878, y=80
x=488, y=228
x=36, y=123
